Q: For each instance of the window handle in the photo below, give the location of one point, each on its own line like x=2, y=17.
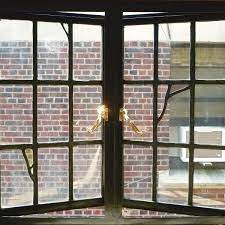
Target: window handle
x=102, y=114
x=124, y=117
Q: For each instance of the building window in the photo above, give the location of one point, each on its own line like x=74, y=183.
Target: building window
x=116, y=113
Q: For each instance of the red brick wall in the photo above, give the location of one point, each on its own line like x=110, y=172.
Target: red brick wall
x=16, y=120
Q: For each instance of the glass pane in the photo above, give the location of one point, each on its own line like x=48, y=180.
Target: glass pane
x=87, y=171
x=210, y=114
x=172, y=175
x=138, y=52
x=140, y=213
x=16, y=184
x=209, y=183
x=138, y=100
x=210, y=50
x=173, y=113
x=87, y=52
x=16, y=114
x=53, y=113
x=137, y=172
x=53, y=174
x=52, y=52
x=16, y=57
x=86, y=101
x=174, y=50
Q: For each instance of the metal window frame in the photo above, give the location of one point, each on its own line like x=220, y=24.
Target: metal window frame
x=155, y=20
x=70, y=83
x=113, y=82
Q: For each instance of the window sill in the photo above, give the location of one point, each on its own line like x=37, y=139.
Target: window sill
x=111, y=221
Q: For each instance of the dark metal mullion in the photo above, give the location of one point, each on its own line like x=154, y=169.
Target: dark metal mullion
x=51, y=82
x=198, y=146
x=151, y=82
x=67, y=82
x=99, y=82
x=117, y=103
x=134, y=142
x=113, y=98
x=192, y=114
x=70, y=38
x=104, y=100
x=155, y=114
x=91, y=82
x=34, y=106
x=153, y=18
x=176, y=145
x=100, y=142
x=107, y=193
x=175, y=82
x=174, y=208
x=51, y=207
x=46, y=145
x=55, y=17
x=91, y=142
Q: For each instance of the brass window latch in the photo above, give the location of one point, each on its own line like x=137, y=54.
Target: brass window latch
x=123, y=117
x=102, y=114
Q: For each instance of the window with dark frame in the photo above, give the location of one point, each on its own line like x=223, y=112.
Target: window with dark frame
x=112, y=116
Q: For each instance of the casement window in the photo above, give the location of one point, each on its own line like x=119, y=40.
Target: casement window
x=112, y=116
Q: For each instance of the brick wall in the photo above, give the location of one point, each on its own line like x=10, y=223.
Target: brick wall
x=16, y=122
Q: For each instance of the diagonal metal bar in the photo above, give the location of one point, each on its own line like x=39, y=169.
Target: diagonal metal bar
x=29, y=166
x=165, y=103
x=179, y=91
x=170, y=94
x=64, y=28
